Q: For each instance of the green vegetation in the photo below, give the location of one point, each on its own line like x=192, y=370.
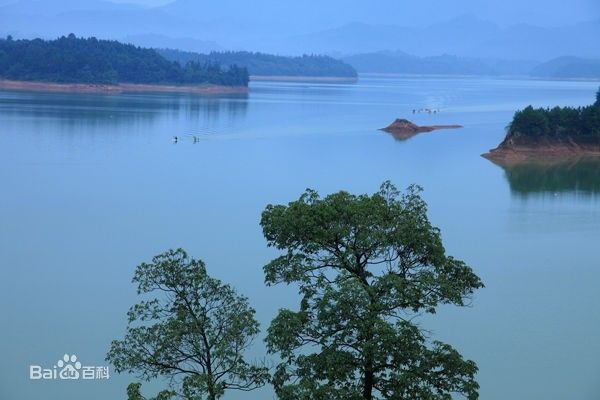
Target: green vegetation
x=77, y=60
x=365, y=267
x=195, y=332
x=581, y=123
x=267, y=64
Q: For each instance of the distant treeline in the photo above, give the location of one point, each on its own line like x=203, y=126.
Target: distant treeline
x=69, y=59
x=398, y=62
x=568, y=68
x=558, y=122
x=267, y=64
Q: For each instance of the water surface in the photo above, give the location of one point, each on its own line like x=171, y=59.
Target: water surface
x=92, y=185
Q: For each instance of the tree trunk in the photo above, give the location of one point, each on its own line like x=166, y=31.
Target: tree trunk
x=211, y=394
x=368, y=367
x=368, y=383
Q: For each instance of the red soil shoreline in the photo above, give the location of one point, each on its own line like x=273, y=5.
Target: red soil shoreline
x=403, y=129
x=543, y=153
x=119, y=88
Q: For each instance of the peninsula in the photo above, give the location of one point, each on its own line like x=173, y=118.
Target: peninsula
x=543, y=133
x=403, y=129
x=269, y=67
x=71, y=64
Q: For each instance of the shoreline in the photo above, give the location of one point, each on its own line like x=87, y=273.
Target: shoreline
x=303, y=78
x=37, y=86
x=476, y=76
x=545, y=153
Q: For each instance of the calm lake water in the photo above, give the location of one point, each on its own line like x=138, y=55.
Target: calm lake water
x=91, y=186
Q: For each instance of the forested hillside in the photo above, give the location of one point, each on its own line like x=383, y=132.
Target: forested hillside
x=267, y=64
x=69, y=59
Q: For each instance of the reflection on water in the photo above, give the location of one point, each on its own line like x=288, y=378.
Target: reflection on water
x=401, y=136
x=77, y=110
x=577, y=176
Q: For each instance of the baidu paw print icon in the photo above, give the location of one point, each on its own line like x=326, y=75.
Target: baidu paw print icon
x=69, y=367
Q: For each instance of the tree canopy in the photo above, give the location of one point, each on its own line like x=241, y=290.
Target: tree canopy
x=69, y=59
x=195, y=332
x=581, y=123
x=268, y=64
x=366, y=266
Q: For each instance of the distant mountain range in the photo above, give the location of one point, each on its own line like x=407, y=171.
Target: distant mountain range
x=383, y=42
x=397, y=62
x=568, y=68
x=465, y=36
x=310, y=26
x=402, y=63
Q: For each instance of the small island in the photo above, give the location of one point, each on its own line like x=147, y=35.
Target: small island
x=71, y=64
x=403, y=129
x=538, y=134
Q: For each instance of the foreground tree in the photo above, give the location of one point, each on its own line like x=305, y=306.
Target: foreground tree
x=365, y=267
x=195, y=332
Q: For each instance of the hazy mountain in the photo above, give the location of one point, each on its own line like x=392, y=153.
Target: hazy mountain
x=466, y=36
x=568, y=67
x=50, y=19
x=403, y=63
x=54, y=7
x=314, y=15
x=543, y=43
x=424, y=28
x=181, y=43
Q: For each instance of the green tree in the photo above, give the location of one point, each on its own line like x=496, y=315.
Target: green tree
x=71, y=59
x=530, y=122
x=365, y=266
x=267, y=64
x=598, y=97
x=195, y=332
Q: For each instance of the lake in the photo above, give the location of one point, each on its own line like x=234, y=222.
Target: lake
x=92, y=185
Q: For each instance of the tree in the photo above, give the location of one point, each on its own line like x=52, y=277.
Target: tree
x=365, y=266
x=267, y=64
x=71, y=59
x=598, y=98
x=195, y=332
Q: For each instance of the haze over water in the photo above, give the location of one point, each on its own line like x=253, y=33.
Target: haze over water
x=92, y=185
